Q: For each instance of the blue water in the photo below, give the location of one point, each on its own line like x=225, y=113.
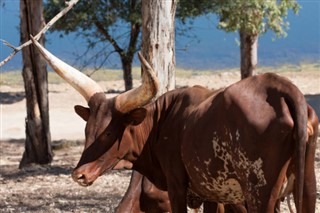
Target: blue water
x=210, y=49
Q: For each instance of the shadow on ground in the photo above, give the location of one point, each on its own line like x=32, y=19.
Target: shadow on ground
x=11, y=97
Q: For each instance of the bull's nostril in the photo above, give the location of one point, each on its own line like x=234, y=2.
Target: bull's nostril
x=81, y=176
x=81, y=179
x=77, y=177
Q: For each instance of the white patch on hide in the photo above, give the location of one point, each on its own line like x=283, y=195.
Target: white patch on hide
x=233, y=156
x=237, y=135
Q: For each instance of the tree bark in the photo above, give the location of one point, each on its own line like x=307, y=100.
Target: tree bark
x=127, y=73
x=249, y=54
x=158, y=40
x=38, y=138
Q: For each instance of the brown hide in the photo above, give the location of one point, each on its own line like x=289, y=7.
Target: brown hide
x=262, y=125
x=143, y=196
x=233, y=146
x=240, y=123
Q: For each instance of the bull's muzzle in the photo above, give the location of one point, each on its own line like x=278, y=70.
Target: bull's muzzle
x=81, y=179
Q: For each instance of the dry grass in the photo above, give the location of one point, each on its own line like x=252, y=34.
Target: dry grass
x=15, y=77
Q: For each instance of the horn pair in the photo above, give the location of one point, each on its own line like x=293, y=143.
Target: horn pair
x=87, y=87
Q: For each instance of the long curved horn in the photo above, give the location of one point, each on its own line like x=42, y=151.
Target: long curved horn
x=82, y=83
x=141, y=95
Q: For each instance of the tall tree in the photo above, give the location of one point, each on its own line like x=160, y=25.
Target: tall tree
x=38, y=139
x=252, y=18
x=100, y=22
x=158, y=40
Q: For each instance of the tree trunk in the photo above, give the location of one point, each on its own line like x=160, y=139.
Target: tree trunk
x=127, y=73
x=158, y=40
x=37, y=145
x=249, y=54
x=127, y=59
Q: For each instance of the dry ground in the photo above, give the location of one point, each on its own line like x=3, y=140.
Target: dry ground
x=50, y=188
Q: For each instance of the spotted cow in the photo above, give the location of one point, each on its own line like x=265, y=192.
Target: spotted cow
x=234, y=147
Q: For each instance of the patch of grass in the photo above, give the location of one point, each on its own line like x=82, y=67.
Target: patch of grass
x=302, y=67
x=310, y=67
x=11, y=78
x=15, y=77
x=63, y=144
x=111, y=74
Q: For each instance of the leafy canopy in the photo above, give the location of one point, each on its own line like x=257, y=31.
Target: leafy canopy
x=255, y=16
x=86, y=13
x=104, y=24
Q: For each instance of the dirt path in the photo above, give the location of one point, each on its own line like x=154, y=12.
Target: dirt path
x=51, y=188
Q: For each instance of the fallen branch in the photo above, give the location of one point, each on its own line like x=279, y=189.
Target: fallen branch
x=69, y=4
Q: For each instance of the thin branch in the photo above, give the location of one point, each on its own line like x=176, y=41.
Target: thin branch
x=114, y=43
x=69, y=4
x=101, y=64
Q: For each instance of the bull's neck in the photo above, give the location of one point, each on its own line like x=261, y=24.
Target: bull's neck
x=156, y=111
x=142, y=133
x=145, y=136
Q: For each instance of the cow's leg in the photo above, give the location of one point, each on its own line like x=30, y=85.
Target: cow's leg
x=152, y=199
x=277, y=206
x=236, y=208
x=131, y=200
x=212, y=207
x=143, y=196
x=178, y=198
x=309, y=188
x=309, y=191
x=177, y=190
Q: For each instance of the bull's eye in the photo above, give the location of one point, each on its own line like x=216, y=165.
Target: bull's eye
x=108, y=133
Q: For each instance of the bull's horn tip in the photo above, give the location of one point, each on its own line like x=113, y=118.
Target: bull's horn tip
x=144, y=61
x=142, y=58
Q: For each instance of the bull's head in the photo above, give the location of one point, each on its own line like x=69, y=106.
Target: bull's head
x=106, y=146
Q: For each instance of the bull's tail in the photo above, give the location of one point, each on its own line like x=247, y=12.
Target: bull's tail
x=300, y=136
x=299, y=111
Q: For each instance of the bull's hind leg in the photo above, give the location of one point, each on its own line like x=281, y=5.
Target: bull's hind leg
x=212, y=207
x=309, y=189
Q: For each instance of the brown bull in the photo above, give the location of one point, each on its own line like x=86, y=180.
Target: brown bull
x=233, y=147
x=143, y=196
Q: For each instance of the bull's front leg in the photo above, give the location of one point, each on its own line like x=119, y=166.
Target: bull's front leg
x=178, y=197
x=177, y=183
x=130, y=203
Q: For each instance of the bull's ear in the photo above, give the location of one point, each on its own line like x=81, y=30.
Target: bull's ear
x=83, y=112
x=136, y=116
